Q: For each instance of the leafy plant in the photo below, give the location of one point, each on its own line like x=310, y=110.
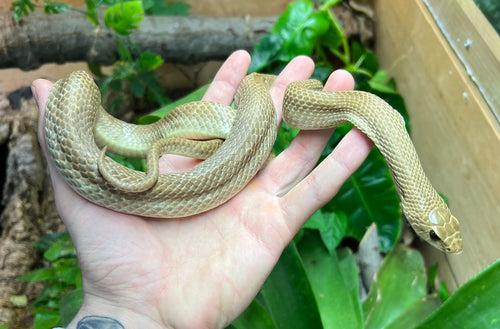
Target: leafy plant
x=305, y=30
x=313, y=288
x=62, y=295
x=136, y=67
x=315, y=283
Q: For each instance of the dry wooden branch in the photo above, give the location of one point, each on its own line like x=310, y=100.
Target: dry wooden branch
x=67, y=37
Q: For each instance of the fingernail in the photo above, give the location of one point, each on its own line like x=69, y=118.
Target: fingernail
x=33, y=92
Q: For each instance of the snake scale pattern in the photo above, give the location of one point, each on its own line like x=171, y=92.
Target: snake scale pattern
x=78, y=132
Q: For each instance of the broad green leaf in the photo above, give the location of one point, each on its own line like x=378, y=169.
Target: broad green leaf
x=296, y=32
x=400, y=283
x=304, y=37
x=332, y=227
x=334, y=279
x=69, y=305
x=124, y=17
x=194, y=96
x=46, y=319
x=369, y=196
x=414, y=315
x=254, y=317
x=263, y=54
x=288, y=295
x=475, y=305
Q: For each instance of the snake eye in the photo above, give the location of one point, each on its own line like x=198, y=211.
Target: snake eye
x=434, y=236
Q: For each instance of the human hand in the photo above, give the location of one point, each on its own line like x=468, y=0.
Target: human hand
x=203, y=271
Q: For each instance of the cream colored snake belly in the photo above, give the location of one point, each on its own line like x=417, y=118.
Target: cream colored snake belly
x=77, y=129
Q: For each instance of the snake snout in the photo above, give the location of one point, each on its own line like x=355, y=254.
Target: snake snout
x=444, y=233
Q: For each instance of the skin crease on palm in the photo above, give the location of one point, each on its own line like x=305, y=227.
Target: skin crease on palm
x=203, y=271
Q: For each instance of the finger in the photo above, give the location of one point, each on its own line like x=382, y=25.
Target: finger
x=294, y=163
x=228, y=78
x=323, y=183
x=299, y=68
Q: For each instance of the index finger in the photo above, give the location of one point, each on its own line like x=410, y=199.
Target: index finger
x=228, y=78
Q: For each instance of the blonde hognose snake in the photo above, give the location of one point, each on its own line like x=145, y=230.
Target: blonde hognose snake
x=78, y=131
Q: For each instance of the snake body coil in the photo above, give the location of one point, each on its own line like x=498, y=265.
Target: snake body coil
x=77, y=128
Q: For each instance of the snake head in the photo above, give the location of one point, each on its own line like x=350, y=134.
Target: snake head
x=440, y=229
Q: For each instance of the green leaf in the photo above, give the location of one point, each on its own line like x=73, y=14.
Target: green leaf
x=22, y=8
x=254, y=317
x=53, y=252
x=44, y=274
x=369, y=196
x=147, y=119
x=194, y=96
x=296, y=32
x=304, y=37
x=149, y=61
x=124, y=17
x=285, y=136
x=63, y=247
x=137, y=87
x=169, y=8
x=55, y=7
x=265, y=51
x=5, y=325
x=92, y=15
x=418, y=311
x=288, y=295
x=136, y=164
x=398, y=285
x=69, y=305
x=332, y=227
x=123, y=51
x=475, y=305
x=364, y=59
x=334, y=279
x=46, y=319
x=47, y=241
x=379, y=83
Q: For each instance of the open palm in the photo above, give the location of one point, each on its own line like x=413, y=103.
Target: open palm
x=203, y=271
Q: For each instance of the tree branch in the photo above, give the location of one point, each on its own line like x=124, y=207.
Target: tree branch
x=40, y=38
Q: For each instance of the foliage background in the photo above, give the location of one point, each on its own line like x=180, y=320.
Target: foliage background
x=317, y=276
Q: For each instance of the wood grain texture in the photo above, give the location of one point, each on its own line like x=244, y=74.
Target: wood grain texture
x=475, y=42
x=454, y=130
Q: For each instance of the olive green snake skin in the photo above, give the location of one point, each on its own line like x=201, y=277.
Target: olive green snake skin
x=78, y=132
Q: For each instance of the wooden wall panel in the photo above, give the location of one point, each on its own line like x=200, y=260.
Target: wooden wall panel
x=454, y=130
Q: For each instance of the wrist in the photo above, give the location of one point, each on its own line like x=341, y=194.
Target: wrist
x=94, y=315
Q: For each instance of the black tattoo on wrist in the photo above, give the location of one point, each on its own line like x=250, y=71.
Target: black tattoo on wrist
x=99, y=322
